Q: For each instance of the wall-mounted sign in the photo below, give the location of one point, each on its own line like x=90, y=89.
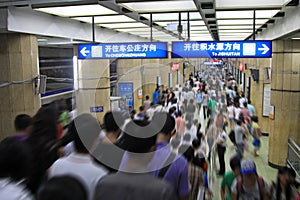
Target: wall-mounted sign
x=140, y=94
x=123, y=50
x=126, y=92
x=97, y=109
x=222, y=49
x=214, y=62
x=267, y=108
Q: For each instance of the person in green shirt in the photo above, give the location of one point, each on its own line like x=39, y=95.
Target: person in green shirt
x=228, y=178
x=212, y=104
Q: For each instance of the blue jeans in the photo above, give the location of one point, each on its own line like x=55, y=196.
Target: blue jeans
x=240, y=148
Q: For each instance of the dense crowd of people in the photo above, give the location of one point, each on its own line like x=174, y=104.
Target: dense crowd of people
x=160, y=152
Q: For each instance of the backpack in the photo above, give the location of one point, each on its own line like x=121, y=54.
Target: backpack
x=260, y=182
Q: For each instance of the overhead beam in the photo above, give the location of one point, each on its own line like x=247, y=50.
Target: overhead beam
x=201, y=6
x=26, y=20
x=111, y=4
x=44, y=4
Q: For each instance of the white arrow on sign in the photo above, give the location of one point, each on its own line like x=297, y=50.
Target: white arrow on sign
x=83, y=51
x=265, y=49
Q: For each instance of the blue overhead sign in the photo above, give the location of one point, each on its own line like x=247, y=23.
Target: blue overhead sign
x=222, y=49
x=123, y=50
x=96, y=109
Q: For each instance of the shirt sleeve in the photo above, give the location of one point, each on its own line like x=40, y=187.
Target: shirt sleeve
x=184, y=181
x=223, y=183
x=233, y=186
x=205, y=180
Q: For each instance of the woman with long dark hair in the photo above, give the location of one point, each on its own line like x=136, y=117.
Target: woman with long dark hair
x=42, y=144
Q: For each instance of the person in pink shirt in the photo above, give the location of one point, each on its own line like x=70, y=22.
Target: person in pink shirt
x=180, y=124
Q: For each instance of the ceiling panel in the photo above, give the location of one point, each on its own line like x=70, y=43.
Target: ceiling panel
x=241, y=22
x=123, y=25
x=161, y=6
x=172, y=16
x=232, y=27
x=235, y=31
x=238, y=4
x=106, y=19
x=82, y=10
x=245, y=14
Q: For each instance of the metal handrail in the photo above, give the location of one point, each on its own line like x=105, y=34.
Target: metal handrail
x=293, y=156
x=290, y=140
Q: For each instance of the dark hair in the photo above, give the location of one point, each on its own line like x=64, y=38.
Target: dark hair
x=172, y=110
x=249, y=101
x=113, y=120
x=139, y=136
x=86, y=130
x=41, y=142
x=14, y=159
x=141, y=108
x=187, y=152
x=44, y=125
x=235, y=162
x=288, y=191
x=62, y=188
x=147, y=97
x=22, y=121
x=164, y=120
x=254, y=118
x=239, y=122
x=179, y=113
x=245, y=104
x=196, y=143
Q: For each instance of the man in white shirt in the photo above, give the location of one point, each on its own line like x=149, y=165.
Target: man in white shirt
x=80, y=164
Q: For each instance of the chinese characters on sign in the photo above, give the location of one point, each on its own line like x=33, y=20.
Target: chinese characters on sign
x=123, y=50
x=222, y=49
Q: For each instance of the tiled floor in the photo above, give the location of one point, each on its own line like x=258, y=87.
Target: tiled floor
x=263, y=169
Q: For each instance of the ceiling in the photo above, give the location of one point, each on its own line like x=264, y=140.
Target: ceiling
x=199, y=20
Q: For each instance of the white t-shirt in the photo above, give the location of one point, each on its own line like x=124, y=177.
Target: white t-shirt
x=82, y=167
x=150, y=113
x=13, y=191
x=222, y=137
x=231, y=110
x=237, y=113
x=249, y=193
x=241, y=101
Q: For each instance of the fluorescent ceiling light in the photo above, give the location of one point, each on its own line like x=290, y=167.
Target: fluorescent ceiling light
x=142, y=29
x=161, y=6
x=234, y=14
x=172, y=16
x=235, y=31
x=123, y=25
x=241, y=22
x=194, y=28
x=245, y=14
x=197, y=23
x=231, y=4
x=295, y=38
x=234, y=34
x=82, y=10
x=220, y=27
x=106, y=19
x=266, y=13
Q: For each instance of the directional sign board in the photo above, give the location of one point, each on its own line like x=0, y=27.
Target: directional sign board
x=123, y=50
x=96, y=109
x=222, y=49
